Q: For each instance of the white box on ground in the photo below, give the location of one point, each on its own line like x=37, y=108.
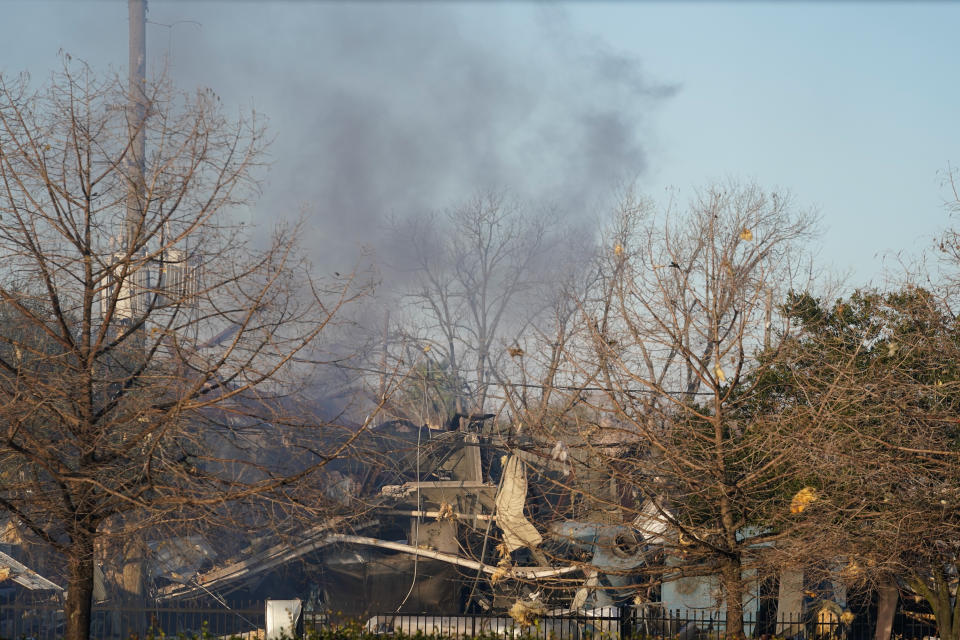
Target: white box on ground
x=282, y=618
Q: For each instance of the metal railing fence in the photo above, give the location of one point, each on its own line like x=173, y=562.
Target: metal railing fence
x=651, y=623
x=45, y=621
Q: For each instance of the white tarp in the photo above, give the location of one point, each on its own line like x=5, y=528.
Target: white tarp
x=282, y=618
x=517, y=530
x=653, y=522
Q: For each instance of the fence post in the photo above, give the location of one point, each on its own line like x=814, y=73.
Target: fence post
x=626, y=622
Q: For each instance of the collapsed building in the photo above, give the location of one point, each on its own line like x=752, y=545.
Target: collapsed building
x=467, y=519
x=443, y=528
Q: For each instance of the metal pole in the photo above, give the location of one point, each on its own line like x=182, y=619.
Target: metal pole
x=136, y=118
x=133, y=571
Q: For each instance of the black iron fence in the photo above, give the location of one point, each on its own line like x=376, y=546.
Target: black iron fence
x=46, y=622
x=636, y=623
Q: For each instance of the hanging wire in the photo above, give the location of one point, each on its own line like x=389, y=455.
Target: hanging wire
x=532, y=385
x=416, y=522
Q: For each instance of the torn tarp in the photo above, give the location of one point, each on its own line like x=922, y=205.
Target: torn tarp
x=517, y=530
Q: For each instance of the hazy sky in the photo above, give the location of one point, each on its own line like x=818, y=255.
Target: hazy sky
x=383, y=110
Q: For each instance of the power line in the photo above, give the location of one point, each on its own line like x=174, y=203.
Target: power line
x=532, y=385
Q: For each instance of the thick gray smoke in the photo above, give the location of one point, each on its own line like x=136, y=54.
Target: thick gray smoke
x=385, y=111
x=381, y=112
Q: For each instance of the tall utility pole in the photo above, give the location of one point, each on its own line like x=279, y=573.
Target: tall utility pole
x=133, y=573
x=136, y=118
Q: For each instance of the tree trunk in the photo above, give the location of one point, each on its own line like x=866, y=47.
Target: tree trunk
x=887, y=596
x=79, y=588
x=733, y=591
x=947, y=626
x=935, y=589
x=132, y=582
x=954, y=628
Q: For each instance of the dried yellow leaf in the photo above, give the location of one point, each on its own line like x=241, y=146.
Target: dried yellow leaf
x=446, y=512
x=721, y=376
x=746, y=234
x=618, y=250
x=525, y=613
x=803, y=499
x=502, y=570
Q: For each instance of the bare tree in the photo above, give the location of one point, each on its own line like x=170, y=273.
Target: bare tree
x=669, y=364
x=481, y=270
x=141, y=332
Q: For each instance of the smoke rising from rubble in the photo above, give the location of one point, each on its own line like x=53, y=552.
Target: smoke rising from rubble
x=384, y=111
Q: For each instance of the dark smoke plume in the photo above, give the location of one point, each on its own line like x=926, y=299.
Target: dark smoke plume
x=391, y=110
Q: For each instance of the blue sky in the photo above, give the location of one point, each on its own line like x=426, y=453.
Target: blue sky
x=388, y=109
x=849, y=105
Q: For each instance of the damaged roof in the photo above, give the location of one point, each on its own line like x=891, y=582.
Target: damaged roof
x=25, y=576
x=276, y=555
